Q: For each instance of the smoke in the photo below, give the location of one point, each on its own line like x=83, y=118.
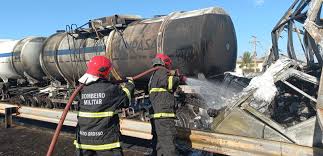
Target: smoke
x=215, y=94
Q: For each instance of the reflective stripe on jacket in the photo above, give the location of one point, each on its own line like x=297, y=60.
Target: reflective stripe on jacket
x=98, y=124
x=163, y=115
x=95, y=114
x=161, y=88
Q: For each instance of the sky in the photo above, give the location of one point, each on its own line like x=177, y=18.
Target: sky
x=42, y=18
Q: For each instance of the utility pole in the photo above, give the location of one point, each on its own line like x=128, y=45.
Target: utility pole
x=254, y=42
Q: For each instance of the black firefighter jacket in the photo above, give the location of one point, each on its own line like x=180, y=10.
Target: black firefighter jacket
x=98, y=122
x=161, y=88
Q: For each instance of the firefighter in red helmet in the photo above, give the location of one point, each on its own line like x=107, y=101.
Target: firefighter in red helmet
x=98, y=123
x=161, y=86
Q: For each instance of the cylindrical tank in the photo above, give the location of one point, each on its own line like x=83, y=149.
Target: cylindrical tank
x=72, y=62
x=69, y=57
x=64, y=58
x=25, y=58
x=200, y=41
x=6, y=69
x=48, y=56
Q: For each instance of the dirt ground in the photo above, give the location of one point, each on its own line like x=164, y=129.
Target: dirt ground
x=32, y=141
x=32, y=138
x=23, y=140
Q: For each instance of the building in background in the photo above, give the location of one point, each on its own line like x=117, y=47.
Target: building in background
x=252, y=67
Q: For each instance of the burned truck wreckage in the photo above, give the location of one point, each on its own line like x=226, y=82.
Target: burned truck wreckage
x=283, y=103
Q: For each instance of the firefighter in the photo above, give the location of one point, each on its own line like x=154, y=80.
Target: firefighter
x=98, y=123
x=162, y=85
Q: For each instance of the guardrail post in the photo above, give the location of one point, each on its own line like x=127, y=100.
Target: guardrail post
x=8, y=116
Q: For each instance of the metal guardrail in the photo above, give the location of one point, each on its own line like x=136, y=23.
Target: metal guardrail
x=47, y=115
x=206, y=141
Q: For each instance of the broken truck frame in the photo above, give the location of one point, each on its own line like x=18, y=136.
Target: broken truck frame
x=242, y=119
x=307, y=13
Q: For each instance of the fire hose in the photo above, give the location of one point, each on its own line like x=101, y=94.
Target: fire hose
x=70, y=101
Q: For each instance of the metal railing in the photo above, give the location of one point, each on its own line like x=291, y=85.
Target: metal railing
x=206, y=141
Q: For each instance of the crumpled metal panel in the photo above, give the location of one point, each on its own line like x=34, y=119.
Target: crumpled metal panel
x=241, y=123
x=240, y=118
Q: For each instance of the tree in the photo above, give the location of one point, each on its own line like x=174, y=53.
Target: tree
x=246, y=59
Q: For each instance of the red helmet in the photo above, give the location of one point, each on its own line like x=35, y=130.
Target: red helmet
x=166, y=60
x=99, y=66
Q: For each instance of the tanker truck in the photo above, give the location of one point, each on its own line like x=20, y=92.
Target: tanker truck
x=43, y=71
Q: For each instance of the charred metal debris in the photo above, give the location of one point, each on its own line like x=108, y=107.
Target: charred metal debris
x=281, y=104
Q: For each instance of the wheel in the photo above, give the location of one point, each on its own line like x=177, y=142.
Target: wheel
x=33, y=102
x=48, y=103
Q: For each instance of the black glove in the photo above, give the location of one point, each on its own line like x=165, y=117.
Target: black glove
x=129, y=79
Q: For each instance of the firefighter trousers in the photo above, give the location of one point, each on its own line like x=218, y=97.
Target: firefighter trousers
x=113, y=152
x=164, y=133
